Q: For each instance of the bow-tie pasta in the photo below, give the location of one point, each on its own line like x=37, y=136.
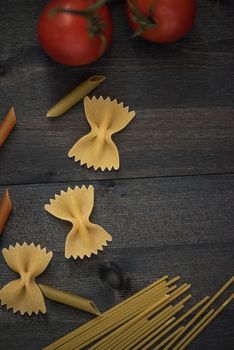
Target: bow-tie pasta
x=23, y=294
x=97, y=148
x=76, y=206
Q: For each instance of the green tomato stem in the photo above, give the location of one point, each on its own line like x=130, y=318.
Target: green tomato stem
x=145, y=21
x=96, y=25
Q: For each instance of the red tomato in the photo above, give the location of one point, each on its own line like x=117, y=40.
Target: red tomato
x=162, y=21
x=68, y=37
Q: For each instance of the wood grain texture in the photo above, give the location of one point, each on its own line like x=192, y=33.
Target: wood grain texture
x=182, y=93
x=181, y=141
x=206, y=274
x=144, y=212
x=166, y=212
x=168, y=225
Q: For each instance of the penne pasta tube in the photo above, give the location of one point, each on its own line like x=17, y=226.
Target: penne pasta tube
x=5, y=210
x=7, y=125
x=69, y=299
x=75, y=96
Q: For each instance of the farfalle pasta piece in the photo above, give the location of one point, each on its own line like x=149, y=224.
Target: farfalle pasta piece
x=23, y=294
x=76, y=206
x=97, y=148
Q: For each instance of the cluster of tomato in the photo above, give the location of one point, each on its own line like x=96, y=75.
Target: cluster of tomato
x=77, y=32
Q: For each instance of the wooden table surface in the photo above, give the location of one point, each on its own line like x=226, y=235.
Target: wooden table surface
x=170, y=206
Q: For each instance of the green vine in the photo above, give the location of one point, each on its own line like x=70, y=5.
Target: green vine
x=145, y=21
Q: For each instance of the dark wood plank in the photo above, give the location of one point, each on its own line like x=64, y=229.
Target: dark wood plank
x=147, y=212
x=202, y=265
x=183, y=95
x=184, y=126
x=159, y=142
x=159, y=226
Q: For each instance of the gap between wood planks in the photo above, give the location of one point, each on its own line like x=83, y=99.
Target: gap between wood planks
x=116, y=179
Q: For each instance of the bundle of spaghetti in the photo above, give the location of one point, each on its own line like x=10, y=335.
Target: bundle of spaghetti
x=203, y=323
x=146, y=320
x=140, y=326
x=158, y=291
x=200, y=325
x=152, y=341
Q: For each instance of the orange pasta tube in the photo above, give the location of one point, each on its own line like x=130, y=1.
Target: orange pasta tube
x=7, y=125
x=5, y=210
